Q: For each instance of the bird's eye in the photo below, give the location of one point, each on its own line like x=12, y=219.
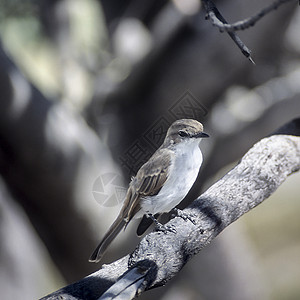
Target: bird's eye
x=182, y=133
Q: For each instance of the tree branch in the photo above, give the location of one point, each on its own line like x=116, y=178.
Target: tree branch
x=219, y=21
x=160, y=256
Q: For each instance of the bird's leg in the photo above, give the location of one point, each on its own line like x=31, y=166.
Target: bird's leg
x=176, y=212
x=161, y=227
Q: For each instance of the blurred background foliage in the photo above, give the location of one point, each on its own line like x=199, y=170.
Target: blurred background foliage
x=82, y=81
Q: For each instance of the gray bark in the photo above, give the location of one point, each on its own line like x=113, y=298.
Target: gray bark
x=160, y=256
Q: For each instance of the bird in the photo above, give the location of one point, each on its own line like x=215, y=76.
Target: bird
x=161, y=183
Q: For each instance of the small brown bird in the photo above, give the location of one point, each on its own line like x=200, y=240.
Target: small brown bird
x=161, y=183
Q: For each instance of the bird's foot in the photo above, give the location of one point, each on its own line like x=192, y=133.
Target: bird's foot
x=176, y=212
x=160, y=227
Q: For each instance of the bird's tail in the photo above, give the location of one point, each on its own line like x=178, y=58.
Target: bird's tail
x=112, y=232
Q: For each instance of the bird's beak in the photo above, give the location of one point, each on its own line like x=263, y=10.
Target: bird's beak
x=201, y=135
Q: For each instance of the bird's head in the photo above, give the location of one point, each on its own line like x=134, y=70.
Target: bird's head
x=185, y=130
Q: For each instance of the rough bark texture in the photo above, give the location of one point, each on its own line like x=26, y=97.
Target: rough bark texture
x=160, y=256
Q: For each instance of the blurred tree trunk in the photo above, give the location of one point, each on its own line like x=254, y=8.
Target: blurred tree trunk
x=45, y=150
x=21, y=252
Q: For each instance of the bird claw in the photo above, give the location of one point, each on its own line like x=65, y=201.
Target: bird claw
x=181, y=214
x=165, y=228
x=160, y=227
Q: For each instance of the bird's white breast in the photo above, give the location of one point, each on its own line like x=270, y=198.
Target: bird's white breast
x=182, y=175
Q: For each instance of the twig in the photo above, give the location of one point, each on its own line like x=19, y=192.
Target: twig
x=214, y=14
x=219, y=21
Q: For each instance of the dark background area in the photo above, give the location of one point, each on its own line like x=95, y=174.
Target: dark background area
x=88, y=89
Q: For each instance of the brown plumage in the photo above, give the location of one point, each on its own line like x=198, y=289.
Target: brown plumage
x=148, y=182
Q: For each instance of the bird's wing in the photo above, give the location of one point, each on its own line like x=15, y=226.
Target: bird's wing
x=154, y=173
x=149, y=180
